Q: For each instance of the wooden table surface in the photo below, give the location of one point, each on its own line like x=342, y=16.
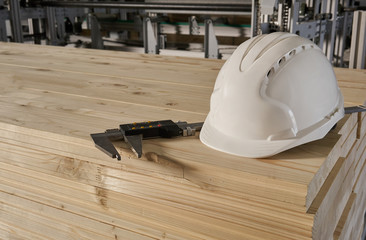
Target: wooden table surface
x=52, y=98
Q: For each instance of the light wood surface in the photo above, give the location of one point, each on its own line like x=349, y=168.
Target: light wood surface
x=54, y=184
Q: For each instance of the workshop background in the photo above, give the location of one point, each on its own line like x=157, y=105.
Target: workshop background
x=69, y=69
x=211, y=29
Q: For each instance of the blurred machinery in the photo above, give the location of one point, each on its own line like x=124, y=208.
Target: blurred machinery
x=26, y=20
x=215, y=27
x=327, y=22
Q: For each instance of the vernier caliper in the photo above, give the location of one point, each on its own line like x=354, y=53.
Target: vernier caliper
x=134, y=133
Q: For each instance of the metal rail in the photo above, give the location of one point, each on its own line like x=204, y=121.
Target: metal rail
x=152, y=6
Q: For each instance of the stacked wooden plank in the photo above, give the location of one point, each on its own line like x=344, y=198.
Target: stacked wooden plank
x=54, y=184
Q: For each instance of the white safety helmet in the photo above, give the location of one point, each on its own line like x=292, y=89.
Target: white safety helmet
x=275, y=92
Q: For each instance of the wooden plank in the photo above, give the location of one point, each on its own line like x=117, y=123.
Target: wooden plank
x=180, y=189
x=152, y=213
x=330, y=211
x=81, y=120
x=362, y=124
x=347, y=78
x=347, y=222
x=140, y=186
x=16, y=232
x=118, y=68
x=361, y=146
x=83, y=54
x=56, y=223
x=342, y=221
x=61, y=201
x=49, y=228
x=353, y=220
x=333, y=207
x=344, y=143
x=354, y=205
x=193, y=171
x=323, y=179
x=99, y=111
x=125, y=91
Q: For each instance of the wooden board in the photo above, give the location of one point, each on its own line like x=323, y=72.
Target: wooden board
x=52, y=98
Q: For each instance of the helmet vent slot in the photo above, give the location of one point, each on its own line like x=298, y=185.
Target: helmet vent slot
x=276, y=66
x=270, y=72
x=281, y=61
x=252, y=44
x=272, y=44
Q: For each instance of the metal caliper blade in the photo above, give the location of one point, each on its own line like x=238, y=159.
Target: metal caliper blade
x=189, y=129
x=135, y=142
x=354, y=109
x=103, y=143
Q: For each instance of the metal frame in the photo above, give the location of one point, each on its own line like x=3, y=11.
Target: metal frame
x=96, y=35
x=36, y=16
x=16, y=21
x=4, y=15
x=358, y=44
x=211, y=46
x=49, y=17
x=325, y=26
x=344, y=30
x=159, y=7
x=151, y=37
x=328, y=48
x=363, y=235
x=51, y=26
x=255, y=20
x=194, y=29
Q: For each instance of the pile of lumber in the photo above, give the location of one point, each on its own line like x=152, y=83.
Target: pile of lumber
x=54, y=183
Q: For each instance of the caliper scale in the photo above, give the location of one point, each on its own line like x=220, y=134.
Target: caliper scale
x=134, y=133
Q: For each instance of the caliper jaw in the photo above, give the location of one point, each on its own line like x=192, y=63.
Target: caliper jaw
x=103, y=141
x=134, y=133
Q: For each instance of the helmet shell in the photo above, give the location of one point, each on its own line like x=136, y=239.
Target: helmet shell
x=275, y=92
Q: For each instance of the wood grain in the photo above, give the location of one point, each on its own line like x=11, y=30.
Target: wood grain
x=59, y=186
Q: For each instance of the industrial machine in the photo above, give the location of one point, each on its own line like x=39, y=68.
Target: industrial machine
x=328, y=23
x=159, y=24
x=27, y=20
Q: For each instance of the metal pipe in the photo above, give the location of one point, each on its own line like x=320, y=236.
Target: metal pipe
x=152, y=6
x=16, y=21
